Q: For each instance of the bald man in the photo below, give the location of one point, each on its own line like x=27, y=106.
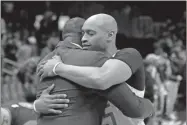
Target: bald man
x=104, y=42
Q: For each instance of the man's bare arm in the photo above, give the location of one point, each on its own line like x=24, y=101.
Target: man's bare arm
x=127, y=102
x=111, y=73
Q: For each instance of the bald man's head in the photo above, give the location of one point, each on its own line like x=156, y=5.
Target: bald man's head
x=104, y=22
x=99, y=32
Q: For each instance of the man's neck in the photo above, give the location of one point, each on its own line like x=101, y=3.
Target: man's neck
x=111, y=51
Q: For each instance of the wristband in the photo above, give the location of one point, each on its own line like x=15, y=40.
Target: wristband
x=55, y=67
x=35, y=107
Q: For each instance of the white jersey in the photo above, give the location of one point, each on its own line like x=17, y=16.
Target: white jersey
x=113, y=116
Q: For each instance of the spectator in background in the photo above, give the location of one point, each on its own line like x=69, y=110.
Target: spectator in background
x=3, y=32
x=51, y=44
x=45, y=25
x=150, y=83
x=17, y=39
x=3, y=26
x=178, y=62
x=33, y=43
x=48, y=23
x=149, y=91
x=182, y=88
x=24, y=52
x=23, y=20
x=10, y=15
x=176, y=40
x=21, y=112
x=156, y=69
x=178, y=59
x=10, y=49
x=26, y=75
x=164, y=44
x=181, y=28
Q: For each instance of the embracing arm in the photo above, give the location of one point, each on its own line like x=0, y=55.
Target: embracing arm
x=112, y=72
x=127, y=102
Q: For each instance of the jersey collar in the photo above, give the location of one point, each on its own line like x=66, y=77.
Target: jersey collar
x=115, y=53
x=67, y=44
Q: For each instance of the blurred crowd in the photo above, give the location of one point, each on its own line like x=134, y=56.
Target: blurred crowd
x=23, y=45
x=166, y=71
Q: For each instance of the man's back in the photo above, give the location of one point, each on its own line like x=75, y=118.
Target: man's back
x=85, y=106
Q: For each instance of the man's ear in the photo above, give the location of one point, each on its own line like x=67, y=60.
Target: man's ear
x=110, y=35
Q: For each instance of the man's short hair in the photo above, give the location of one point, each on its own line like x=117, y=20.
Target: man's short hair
x=73, y=25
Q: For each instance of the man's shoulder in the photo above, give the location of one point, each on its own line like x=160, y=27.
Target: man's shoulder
x=131, y=57
x=83, y=57
x=129, y=50
x=128, y=53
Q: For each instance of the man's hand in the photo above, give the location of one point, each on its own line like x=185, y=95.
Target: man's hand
x=49, y=103
x=46, y=67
